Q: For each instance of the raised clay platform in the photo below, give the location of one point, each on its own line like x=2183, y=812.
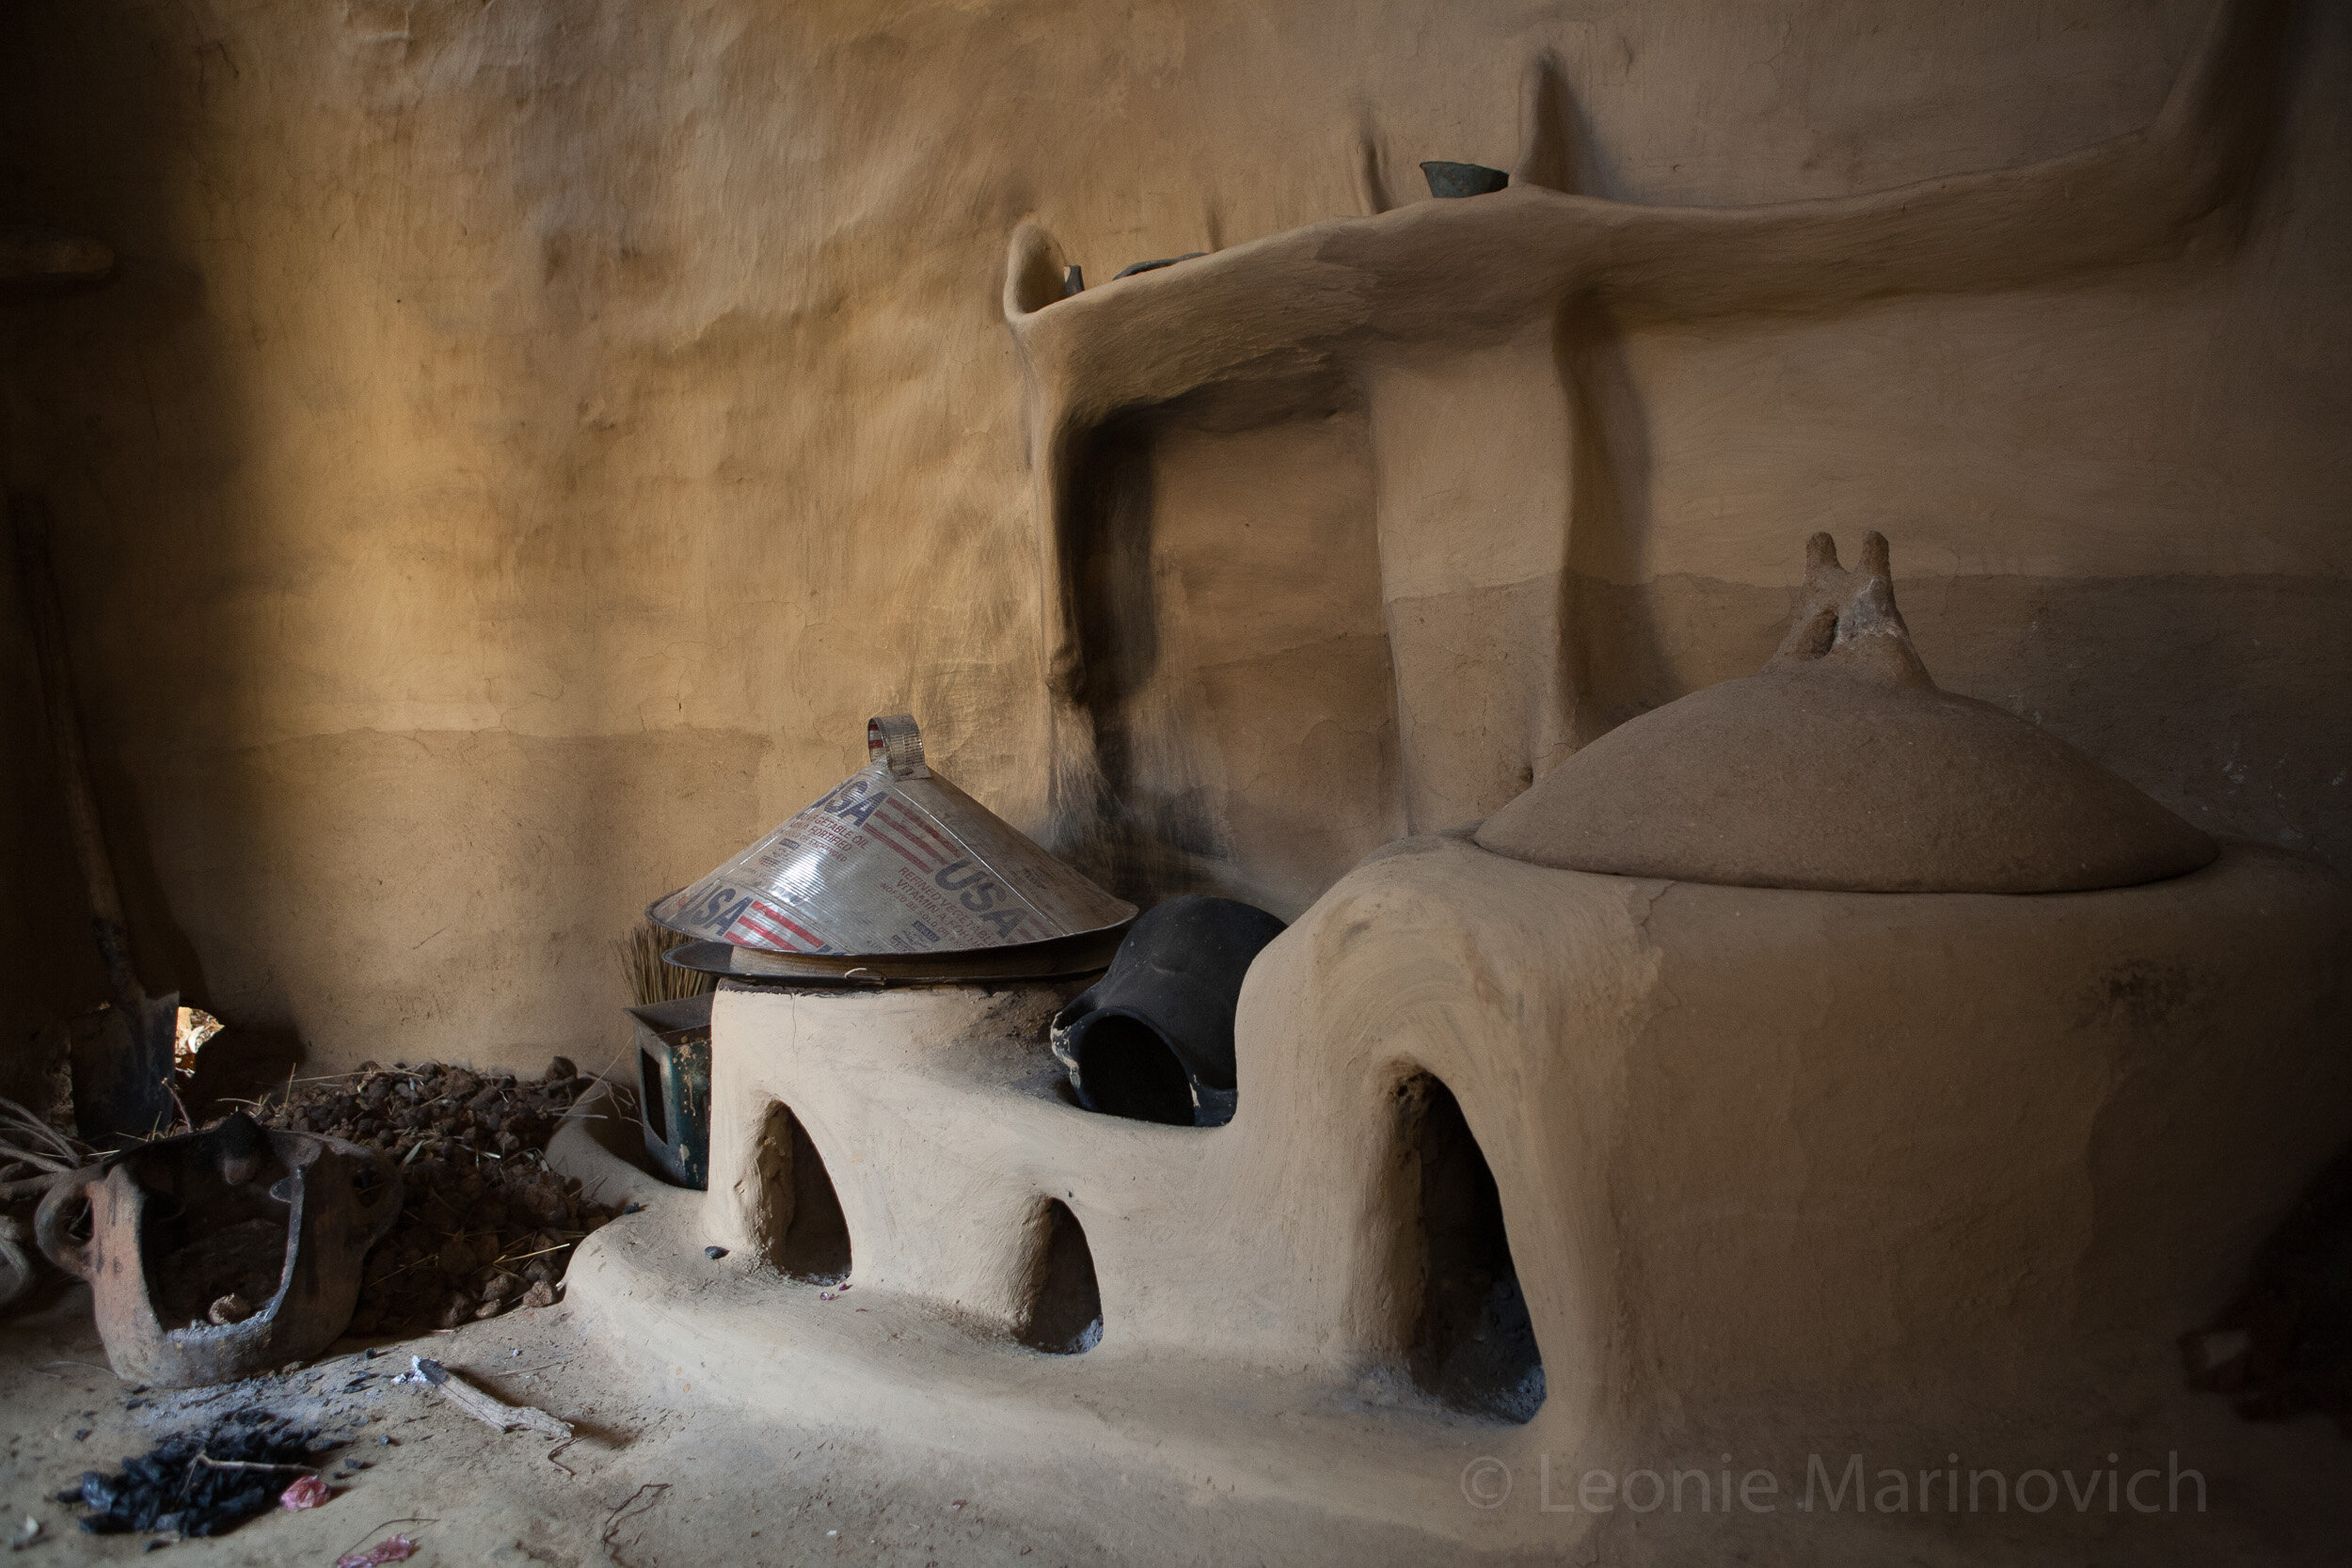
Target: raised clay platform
x=1783, y=1173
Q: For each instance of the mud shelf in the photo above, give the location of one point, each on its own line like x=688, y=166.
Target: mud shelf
x=1466, y=346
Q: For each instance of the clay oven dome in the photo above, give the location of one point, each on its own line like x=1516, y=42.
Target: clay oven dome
x=1840, y=766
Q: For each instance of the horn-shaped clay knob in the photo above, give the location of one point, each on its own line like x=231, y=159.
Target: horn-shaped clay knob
x=1874, y=556
x=1840, y=766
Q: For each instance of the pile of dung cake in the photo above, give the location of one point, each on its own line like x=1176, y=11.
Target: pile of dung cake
x=486, y=1225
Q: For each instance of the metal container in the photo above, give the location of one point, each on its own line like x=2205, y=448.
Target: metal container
x=895, y=862
x=673, y=1087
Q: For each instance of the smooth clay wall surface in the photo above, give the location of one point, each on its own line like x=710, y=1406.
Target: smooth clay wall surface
x=523, y=441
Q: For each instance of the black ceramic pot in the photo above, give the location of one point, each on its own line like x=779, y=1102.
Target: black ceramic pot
x=1463, y=179
x=1154, y=1038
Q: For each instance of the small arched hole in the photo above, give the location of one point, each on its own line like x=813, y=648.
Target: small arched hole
x=800, y=1227
x=1474, y=1345
x=1065, y=1315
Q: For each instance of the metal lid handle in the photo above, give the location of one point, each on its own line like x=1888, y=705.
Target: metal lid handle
x=899, y=740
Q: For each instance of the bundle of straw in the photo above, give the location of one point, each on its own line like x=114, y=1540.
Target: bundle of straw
x=650, y=980
x=31, y=1152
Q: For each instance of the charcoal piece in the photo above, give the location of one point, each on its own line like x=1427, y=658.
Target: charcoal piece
x=198, y=1485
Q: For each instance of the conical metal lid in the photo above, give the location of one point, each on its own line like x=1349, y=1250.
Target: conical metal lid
x=895, y=860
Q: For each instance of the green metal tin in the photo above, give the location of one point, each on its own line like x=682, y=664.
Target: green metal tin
x=673, y=1087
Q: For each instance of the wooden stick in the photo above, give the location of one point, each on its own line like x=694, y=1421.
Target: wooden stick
x=127, y=1096
x=249, y=1464
x=31, y=519
x=485, y=1407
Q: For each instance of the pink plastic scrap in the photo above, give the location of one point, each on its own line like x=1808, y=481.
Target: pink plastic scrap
x=393, y=1548
x=307, y=1493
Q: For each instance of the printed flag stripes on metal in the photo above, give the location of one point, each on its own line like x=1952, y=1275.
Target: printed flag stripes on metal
x=913, y=837
x=763, y=925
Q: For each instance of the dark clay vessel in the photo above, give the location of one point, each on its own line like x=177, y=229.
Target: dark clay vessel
x=1463, y=179
x=283, y=1221
x=1154, y=1038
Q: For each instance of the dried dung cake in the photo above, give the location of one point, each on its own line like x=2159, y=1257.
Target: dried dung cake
x=487, y=1225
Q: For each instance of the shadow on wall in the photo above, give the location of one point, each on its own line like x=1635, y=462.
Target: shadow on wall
x=1609, y=464
x=1184, y=687
x=137, y=588
x=44, y=924
x=1221, y=556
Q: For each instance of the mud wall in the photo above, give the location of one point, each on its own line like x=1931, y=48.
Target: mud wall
x=523, y=442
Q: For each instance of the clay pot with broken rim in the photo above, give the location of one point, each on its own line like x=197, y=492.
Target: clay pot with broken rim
x=279, y=1221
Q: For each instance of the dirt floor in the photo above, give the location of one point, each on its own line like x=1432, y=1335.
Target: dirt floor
x=646, y=1484
x=673, y=1465
x=650, y=1482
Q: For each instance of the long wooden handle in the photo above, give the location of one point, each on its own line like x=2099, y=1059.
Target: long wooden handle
x=29, y=517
